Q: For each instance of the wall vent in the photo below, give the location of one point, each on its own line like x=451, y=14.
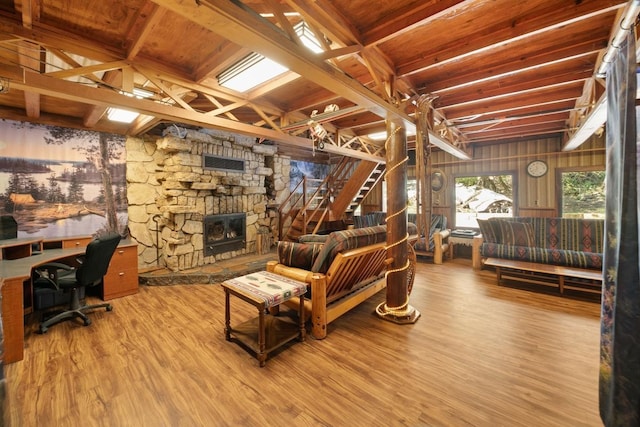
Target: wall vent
x=222, y=163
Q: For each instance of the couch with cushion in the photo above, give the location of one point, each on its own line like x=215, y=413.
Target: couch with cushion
x=341, y=269
x=570, y=242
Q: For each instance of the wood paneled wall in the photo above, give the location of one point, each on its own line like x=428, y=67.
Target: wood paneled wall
x=537, y=197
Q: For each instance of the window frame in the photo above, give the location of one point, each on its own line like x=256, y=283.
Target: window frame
x=558, y=182
x=453, y=210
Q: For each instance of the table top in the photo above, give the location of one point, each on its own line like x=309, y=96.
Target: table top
x=267, y=287
x=21, y=268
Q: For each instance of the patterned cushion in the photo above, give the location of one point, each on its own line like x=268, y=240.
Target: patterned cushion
x=340, y=241
x=573, y=242
x=369, y=219
x=301, y=255
x=517, y=233
x=547, y=256
x=490, y=230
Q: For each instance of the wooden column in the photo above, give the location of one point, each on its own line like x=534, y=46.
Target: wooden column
x=397, y=308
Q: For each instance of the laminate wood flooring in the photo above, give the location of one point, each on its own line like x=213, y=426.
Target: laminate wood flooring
x=480, y=355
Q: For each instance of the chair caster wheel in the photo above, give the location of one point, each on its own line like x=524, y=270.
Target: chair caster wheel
x=87, y=322
x=42, y=330
x=109, y=308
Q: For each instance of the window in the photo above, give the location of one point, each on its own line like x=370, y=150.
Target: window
x=583, y=194
x=412, y=196
x=483, y=197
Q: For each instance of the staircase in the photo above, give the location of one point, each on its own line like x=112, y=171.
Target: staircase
x=314, y=204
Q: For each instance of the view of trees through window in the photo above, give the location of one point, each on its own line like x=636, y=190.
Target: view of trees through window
x=583, y=194
x=482, y=197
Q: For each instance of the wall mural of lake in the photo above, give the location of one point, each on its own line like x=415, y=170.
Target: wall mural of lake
x=58, y=181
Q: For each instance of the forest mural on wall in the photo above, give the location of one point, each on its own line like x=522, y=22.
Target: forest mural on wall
x=59, y=181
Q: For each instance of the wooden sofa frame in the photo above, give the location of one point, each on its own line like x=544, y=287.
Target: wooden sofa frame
x=441, y=248
x=353, y=277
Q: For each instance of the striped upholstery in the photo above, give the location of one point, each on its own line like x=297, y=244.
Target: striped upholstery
x=340, y=241
x=369, y=219
x=570, y=242
x=301, y=255
x=438, y=223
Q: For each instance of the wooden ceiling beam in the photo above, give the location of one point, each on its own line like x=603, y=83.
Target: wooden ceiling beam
x=49, y=38
x=49, y=86
x=95, y=112
x=525, y=118
x=557, y=91
x=30, y=11
x=408, y=18
x=85, y=71
x=529, y=82
x=488, y=39
x=517, y=135
x=246, y=28
x=489, y=110
x=470, y=73
x=149, y=17
x=31, y=58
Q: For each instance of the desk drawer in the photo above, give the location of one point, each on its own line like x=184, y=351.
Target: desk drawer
x=120, y=283
x=76, y=243
x=124, y=258
x=122, y=277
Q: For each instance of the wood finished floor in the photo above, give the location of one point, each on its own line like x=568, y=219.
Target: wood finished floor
x=480, y=355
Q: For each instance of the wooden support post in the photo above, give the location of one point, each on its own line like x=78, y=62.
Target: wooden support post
x=397, y=308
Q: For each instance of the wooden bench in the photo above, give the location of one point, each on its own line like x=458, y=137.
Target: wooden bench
x=580, y=279
x=353, y=277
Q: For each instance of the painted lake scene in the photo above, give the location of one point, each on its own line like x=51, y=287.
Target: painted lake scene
x=58, y=181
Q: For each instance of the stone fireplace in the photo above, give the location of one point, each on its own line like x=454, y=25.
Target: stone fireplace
x=185, y=210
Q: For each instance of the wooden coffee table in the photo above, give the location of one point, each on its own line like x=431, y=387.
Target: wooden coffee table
x=264, y=290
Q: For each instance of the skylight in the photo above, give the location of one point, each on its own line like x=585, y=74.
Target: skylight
x=120, y=115
x=250, y=72
x=255, y=69
x=125, y=116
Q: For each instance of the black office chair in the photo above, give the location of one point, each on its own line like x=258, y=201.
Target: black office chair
x=93, y=266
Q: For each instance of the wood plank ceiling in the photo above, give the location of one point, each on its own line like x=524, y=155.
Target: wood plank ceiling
x=496, y=70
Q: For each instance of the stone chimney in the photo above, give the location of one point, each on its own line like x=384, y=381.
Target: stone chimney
x=170, y=192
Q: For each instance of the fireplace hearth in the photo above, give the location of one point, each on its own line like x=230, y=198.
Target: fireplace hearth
x=224, y=233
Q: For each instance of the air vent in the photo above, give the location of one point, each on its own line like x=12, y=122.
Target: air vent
x=223, y=163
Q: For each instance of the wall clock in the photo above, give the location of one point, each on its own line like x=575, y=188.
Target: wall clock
x=537, y=168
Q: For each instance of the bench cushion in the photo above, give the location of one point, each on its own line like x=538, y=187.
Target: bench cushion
x=300, y=255
x=517, y=233
x=564, y=257
x=340, y=241
x=490, y=230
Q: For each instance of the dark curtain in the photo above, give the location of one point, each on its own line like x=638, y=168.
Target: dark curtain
x=620, y=321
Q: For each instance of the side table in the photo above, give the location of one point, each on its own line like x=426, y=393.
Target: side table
x=462, y=238
x=264, y=290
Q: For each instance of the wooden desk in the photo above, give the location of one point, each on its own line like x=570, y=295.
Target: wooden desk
x=18, y=248
x=118, y=282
